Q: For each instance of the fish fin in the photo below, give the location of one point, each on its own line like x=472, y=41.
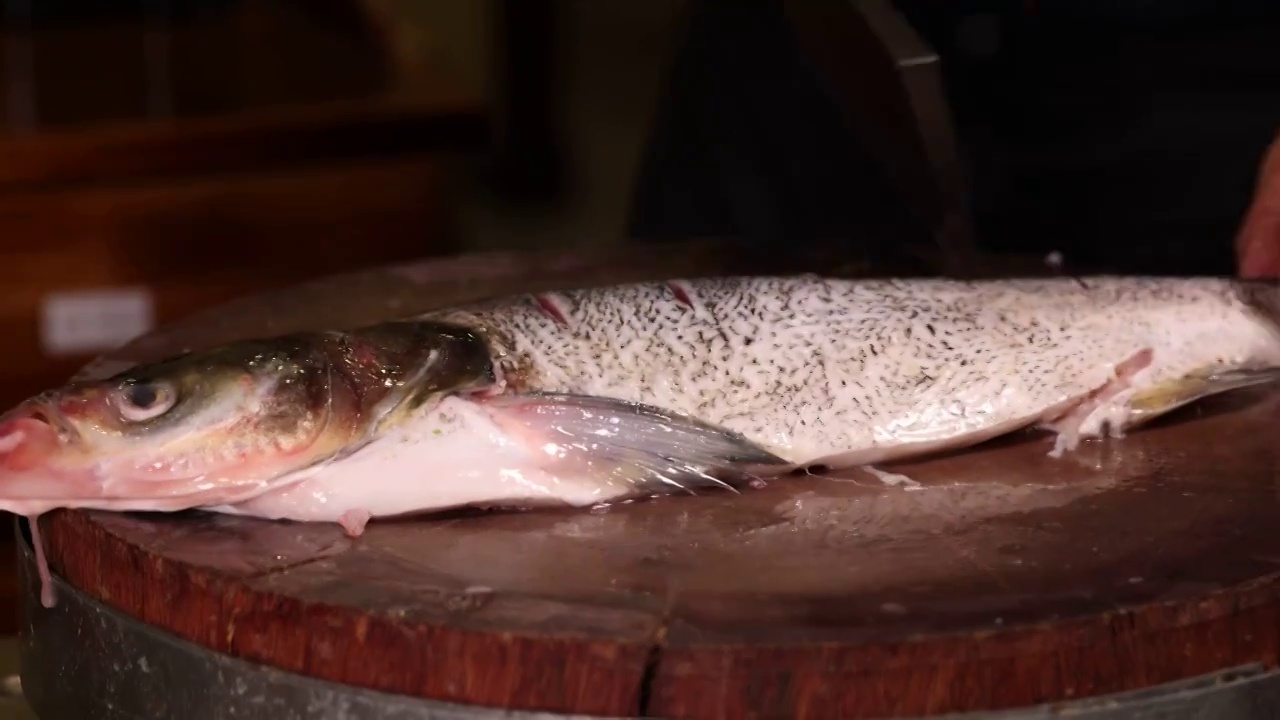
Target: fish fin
x=651, y=449
x=1143, y=405
x=353, y=522
x=1152, y=402
x=1091, y=414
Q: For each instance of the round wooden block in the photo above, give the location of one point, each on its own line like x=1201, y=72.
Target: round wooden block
x=993, y=578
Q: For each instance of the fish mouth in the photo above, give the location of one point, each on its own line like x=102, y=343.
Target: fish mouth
x=31, y=436
x=39, y=416
x=36, y=473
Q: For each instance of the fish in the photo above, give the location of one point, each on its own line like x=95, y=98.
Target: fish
x=595, y=395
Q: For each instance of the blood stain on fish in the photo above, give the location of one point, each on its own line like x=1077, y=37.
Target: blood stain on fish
x=553, y=306
x=682, y=292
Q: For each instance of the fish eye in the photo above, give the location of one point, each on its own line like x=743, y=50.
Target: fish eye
x=142, y=401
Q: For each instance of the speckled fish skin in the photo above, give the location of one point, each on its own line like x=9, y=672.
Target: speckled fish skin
x=858, y=371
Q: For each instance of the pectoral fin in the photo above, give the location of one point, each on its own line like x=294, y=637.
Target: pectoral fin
x=651, y=449
x=1152, y=402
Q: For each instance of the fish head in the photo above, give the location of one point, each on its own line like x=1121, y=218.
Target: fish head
x=182, y=432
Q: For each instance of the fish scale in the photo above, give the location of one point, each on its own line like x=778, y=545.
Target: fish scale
x=810, y=367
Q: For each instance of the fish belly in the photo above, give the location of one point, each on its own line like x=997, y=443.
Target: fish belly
x=454, y=455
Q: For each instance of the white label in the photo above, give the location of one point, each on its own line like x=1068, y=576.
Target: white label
x=93, y=321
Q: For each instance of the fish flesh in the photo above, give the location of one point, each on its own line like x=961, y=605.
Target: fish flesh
x=594, y=395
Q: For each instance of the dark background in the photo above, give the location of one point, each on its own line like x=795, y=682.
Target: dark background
x=1124, y=134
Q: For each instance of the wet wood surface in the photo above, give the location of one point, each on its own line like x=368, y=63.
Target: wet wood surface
x=1003, y=578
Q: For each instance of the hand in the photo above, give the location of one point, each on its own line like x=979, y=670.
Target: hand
x=1258, y=240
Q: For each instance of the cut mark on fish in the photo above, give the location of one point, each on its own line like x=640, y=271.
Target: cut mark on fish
x=353, y=522
x=1074, y=424
x=682, y=291
x=553, y=306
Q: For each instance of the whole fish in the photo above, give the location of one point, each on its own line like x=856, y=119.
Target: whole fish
x=593, y=395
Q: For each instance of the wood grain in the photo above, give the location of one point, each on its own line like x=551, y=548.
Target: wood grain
x=1010, y=579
